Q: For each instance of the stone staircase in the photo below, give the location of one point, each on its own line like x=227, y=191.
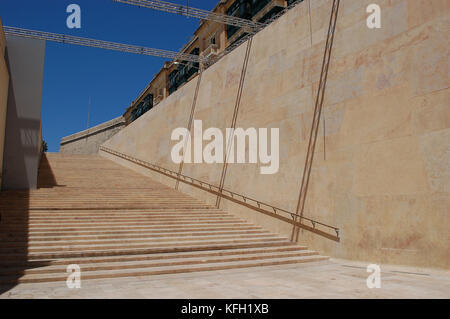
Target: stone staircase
x=113, y=222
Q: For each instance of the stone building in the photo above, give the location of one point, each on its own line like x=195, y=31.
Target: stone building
x=209, y=40
x=379, y=184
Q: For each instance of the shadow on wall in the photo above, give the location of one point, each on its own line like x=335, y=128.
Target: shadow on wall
x=15, y=229
x=23, y=116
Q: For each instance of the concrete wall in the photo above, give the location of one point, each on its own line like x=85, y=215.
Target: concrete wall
x=4, y=84
x=89, y=141
x=25, y=60
x=382, y=175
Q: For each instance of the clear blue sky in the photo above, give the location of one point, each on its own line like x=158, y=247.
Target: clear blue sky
x=112, y=79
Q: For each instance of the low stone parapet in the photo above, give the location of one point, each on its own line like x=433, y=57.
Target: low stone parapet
x=89, y=141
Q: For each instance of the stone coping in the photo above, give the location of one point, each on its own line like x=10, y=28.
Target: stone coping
x=101, y=127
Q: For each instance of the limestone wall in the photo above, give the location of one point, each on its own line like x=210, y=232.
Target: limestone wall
x=382, y=175
x=89, y=141
x=4, y=84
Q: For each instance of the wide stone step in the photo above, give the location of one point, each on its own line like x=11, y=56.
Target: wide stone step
x=45, y=239
x=22, y=264
x=28, y=236
x=21, y=256
x=92, y=246
x=143, y=223
x=96, y=215
x=169, y=260
x=122, y=221
x=74, y=241
x=108, y=212
x=163, y=270
x=128, y=227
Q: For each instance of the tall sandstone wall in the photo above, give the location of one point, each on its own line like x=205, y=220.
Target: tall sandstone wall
x=384, y=178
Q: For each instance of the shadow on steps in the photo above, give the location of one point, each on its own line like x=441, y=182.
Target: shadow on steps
x=46, y=177
x=14, y=229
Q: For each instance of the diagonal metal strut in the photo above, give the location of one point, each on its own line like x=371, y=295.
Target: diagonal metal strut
x=316, y=117
x=62, y=38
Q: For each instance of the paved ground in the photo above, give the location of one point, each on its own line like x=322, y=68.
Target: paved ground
x=329, y=279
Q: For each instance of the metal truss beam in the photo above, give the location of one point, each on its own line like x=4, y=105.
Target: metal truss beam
x=69, y=39
x=187, y=11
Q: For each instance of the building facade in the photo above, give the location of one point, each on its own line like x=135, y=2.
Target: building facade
x=209, y=40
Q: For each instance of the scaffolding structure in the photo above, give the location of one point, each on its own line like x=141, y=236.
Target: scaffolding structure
x=69, y=39
x=251, y=26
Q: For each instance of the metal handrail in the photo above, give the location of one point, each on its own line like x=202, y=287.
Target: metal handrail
x=235, y=197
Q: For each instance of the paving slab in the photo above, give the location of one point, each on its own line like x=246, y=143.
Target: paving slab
x=333, y=278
